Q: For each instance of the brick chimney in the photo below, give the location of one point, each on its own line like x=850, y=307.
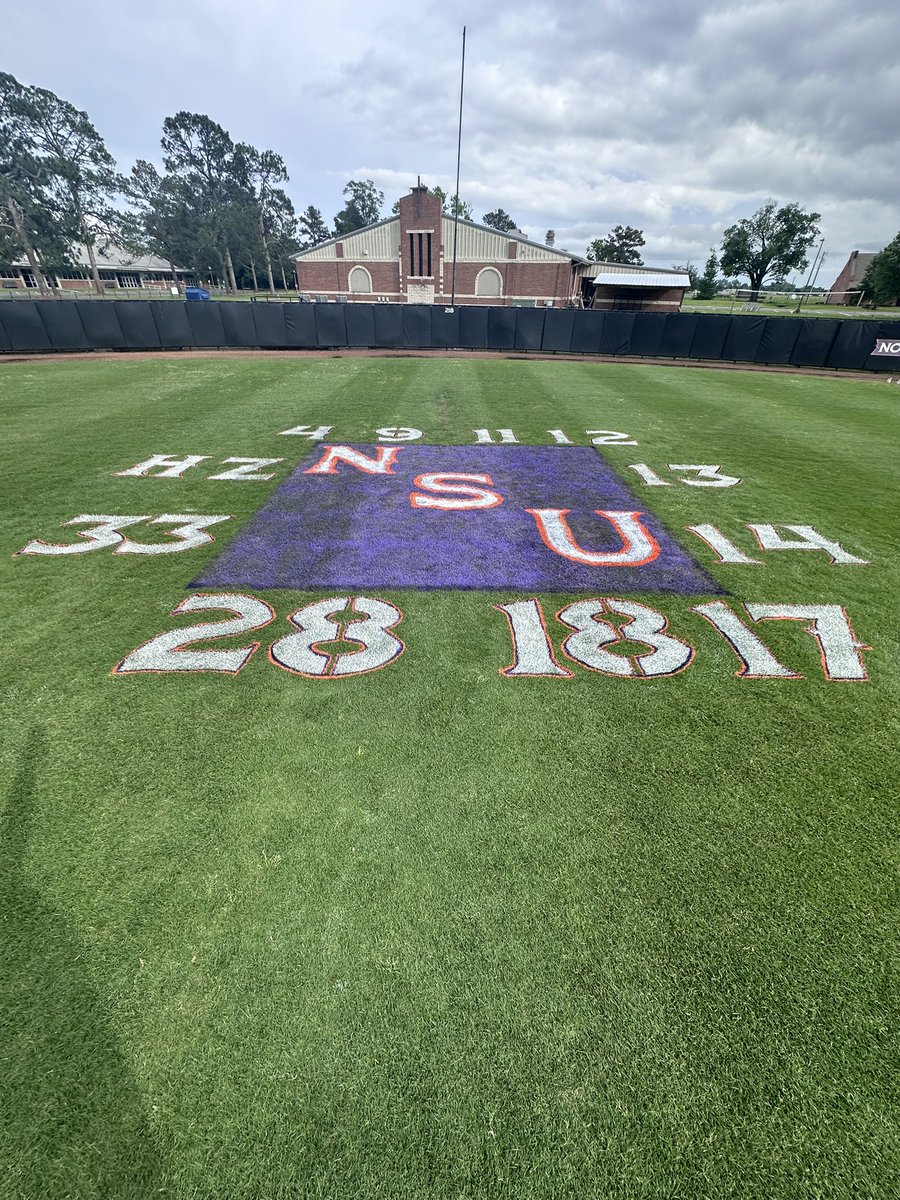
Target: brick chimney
x=420, y=237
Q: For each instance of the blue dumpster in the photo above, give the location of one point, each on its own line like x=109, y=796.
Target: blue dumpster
x=196, y=293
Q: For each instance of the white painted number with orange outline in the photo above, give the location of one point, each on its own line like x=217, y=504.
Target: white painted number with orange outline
x=297, y=651
x=532, y=648
x=168, y=652
x=768, y=538
x=668, y=655
x=609, y=437
x=839, y=649
x=829, y=624
x=105, y=532
x=707, y=475
x=533, y=653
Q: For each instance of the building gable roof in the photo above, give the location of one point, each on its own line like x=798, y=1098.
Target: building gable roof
x=343, y=237
x=109, y=258
x=515, y=236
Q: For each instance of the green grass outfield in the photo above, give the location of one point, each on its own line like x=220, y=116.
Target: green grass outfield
x=771, y=304
x=434, y=932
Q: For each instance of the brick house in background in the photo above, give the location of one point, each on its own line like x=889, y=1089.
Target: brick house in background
x=409, y=259
x=850, y=278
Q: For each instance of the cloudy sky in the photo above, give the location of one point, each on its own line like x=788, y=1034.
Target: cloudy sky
x=675, y=116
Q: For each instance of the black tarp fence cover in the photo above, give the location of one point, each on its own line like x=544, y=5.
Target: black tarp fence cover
x=35, y=326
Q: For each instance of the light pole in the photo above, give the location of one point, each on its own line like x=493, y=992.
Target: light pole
x=462, y=78
x=809, y=280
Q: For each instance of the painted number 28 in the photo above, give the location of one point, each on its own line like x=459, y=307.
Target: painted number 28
x=303, y=652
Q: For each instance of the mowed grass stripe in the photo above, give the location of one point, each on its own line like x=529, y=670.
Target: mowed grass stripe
x=433, y=932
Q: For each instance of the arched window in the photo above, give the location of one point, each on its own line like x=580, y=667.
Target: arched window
x=360, y=280
x=488, y=283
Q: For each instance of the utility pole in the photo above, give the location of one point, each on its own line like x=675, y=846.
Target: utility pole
x=462, y=78
x=809, y=281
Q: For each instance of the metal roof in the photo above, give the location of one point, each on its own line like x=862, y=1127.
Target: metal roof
x=512, y=236
x=670, y=279
x=342, y=237
x=110, y=258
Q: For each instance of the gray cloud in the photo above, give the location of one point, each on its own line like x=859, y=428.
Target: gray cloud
x=677, y=116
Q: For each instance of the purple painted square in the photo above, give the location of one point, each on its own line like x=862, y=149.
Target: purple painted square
x=353, y=530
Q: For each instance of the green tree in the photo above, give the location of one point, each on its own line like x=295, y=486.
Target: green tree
x=773, y=241
x=690, y=270
x=284, y=240
x=272, y=205
x=363, y=207
x=240, y=219
x=458, y=208
x=312, y=228
x=882, y=278
x=620, y=246
x=79, y=170
x=213, y=181
x=498, y=219
x=31, y=220
x=707, y=285
x=162, y=220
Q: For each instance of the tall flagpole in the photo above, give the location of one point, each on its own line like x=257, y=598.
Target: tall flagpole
x=462, y=78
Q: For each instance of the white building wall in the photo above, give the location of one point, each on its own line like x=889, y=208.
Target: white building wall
x=488, y=245
x=380, y=243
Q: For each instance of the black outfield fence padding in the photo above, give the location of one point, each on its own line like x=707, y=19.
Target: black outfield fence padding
x=473, y=328
x=445, y=328
x=529, y=328
x=64, y=326
x=388, y=326
x=36, y=326
x=205, y=321
x=300, y=326
x=269, y=322
x=709, y=337
x=136, y=322
x=359, y=321
x=237, y=322
x=558, y=324
x=24, y=327
x=173, y=325
x=331, y=326
x=678, y=335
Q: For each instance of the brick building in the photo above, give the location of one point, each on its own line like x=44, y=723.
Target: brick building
x=623, y=286
x=119, y=271
x=409, y=259
x=850, y=278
